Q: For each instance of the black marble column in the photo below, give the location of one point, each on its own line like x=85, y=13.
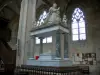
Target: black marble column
x=58, y=45
x=41, y=45
x=65, y=45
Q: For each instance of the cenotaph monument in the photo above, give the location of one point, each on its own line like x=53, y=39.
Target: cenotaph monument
x=53, y=26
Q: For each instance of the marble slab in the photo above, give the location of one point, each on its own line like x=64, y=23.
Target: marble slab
x=48, y=30
x=56, y=63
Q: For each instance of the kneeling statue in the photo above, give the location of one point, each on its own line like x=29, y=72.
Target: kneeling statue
x=54, y=15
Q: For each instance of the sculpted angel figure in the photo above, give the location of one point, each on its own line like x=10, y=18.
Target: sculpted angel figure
x=64, y=20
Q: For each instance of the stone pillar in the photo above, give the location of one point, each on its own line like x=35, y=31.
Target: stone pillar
x=27, y=16
x=41, y=45
x=58, y=45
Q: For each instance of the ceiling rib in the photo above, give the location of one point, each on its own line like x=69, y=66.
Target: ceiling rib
x=12, y=10
x=5, y=3
x=47, y=2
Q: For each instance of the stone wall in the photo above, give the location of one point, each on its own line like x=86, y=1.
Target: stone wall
x=91, y=44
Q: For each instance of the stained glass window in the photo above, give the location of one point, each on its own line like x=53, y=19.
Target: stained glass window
x=39, y=23
x=42, y=18
x=78, y=25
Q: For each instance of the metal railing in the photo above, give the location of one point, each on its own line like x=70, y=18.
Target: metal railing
x=40, y=70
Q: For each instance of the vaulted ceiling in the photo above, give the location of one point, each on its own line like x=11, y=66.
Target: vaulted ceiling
x=9, y=8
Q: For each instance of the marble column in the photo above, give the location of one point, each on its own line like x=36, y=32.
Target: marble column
x=32, y=47
x=53, y=44
x=58, y=45
x=41, y=45
x=27, y=16
x=66, y=45
x=62, y=45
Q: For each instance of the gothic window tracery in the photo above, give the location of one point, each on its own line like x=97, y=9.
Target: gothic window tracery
x=42, y=18
x=78, y=25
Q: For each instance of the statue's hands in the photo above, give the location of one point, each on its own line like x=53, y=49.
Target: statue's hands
x=58, y=8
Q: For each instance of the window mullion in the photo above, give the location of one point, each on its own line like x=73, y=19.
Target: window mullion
x=78, y=30
x=46, y=40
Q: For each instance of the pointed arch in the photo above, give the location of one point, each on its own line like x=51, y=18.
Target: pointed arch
x=78, y=25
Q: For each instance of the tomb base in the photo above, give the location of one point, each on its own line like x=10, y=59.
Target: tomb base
x=50, y=60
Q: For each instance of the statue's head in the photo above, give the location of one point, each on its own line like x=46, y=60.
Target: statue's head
x=64, y=16
x=54, y=5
